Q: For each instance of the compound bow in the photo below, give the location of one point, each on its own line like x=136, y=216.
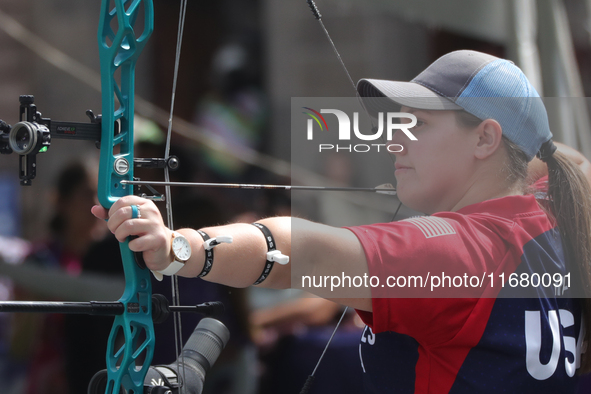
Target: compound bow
x=120, y=46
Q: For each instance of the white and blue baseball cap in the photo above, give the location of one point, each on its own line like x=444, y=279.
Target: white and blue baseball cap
x=484, y=85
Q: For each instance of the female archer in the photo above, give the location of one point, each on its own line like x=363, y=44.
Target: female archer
x=479, y=124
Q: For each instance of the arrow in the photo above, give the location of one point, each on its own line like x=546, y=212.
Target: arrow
x=386, y=188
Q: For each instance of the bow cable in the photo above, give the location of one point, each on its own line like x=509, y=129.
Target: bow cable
x=178, y=334
x=318, y=17
x=310, y=379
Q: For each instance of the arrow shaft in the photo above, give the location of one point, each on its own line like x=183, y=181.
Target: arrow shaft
x=260, y=186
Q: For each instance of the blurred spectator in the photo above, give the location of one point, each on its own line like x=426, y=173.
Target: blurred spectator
x=40, y=338
x=234, y=111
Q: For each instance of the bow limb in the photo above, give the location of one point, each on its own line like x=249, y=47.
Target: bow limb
x=119, y=48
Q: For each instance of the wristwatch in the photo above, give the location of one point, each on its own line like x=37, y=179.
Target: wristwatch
x=181, y=250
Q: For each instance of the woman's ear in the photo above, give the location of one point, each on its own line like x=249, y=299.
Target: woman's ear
x=490, y=135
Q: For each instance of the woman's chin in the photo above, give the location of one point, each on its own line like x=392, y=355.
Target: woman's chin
x=412, y=201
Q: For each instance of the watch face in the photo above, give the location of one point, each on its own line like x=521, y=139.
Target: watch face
x=181, y=248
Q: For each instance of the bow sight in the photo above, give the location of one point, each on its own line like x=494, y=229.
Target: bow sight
x=33, y=134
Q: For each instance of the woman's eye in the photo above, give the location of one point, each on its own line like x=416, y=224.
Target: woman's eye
x=419, y=124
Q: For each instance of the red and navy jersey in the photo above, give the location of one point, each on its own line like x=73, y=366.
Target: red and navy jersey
x=480, y=344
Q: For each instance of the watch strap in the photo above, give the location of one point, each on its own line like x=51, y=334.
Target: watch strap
x=173, y=268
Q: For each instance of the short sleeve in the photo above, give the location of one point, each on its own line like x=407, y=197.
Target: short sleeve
x=409, y=254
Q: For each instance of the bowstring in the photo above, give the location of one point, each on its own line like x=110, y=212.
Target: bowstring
x=178, y=335
x=361, y=102
x=373, y=126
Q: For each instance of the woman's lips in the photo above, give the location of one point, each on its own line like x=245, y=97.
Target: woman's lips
x=400, y=168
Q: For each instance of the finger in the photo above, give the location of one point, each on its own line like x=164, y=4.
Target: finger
x=151, y=241
x=137, y=227
x=147, y=211
x=156, y=255
x=147, y=208
x=100, y=212
x=140, y=227
x=118, y=217
x=127, y=201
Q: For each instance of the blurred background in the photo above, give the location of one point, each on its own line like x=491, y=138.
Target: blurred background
x=242, y=61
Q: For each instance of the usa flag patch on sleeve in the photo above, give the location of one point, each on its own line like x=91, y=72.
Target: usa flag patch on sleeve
x=432, y=226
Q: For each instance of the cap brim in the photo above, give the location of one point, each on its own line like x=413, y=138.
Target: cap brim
x=409, y=94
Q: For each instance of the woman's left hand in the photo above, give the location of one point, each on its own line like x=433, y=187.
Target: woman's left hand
x=153, y=237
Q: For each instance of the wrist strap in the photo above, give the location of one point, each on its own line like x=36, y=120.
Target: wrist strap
x=208, y=245
x=208, y=256
x=273, y=255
